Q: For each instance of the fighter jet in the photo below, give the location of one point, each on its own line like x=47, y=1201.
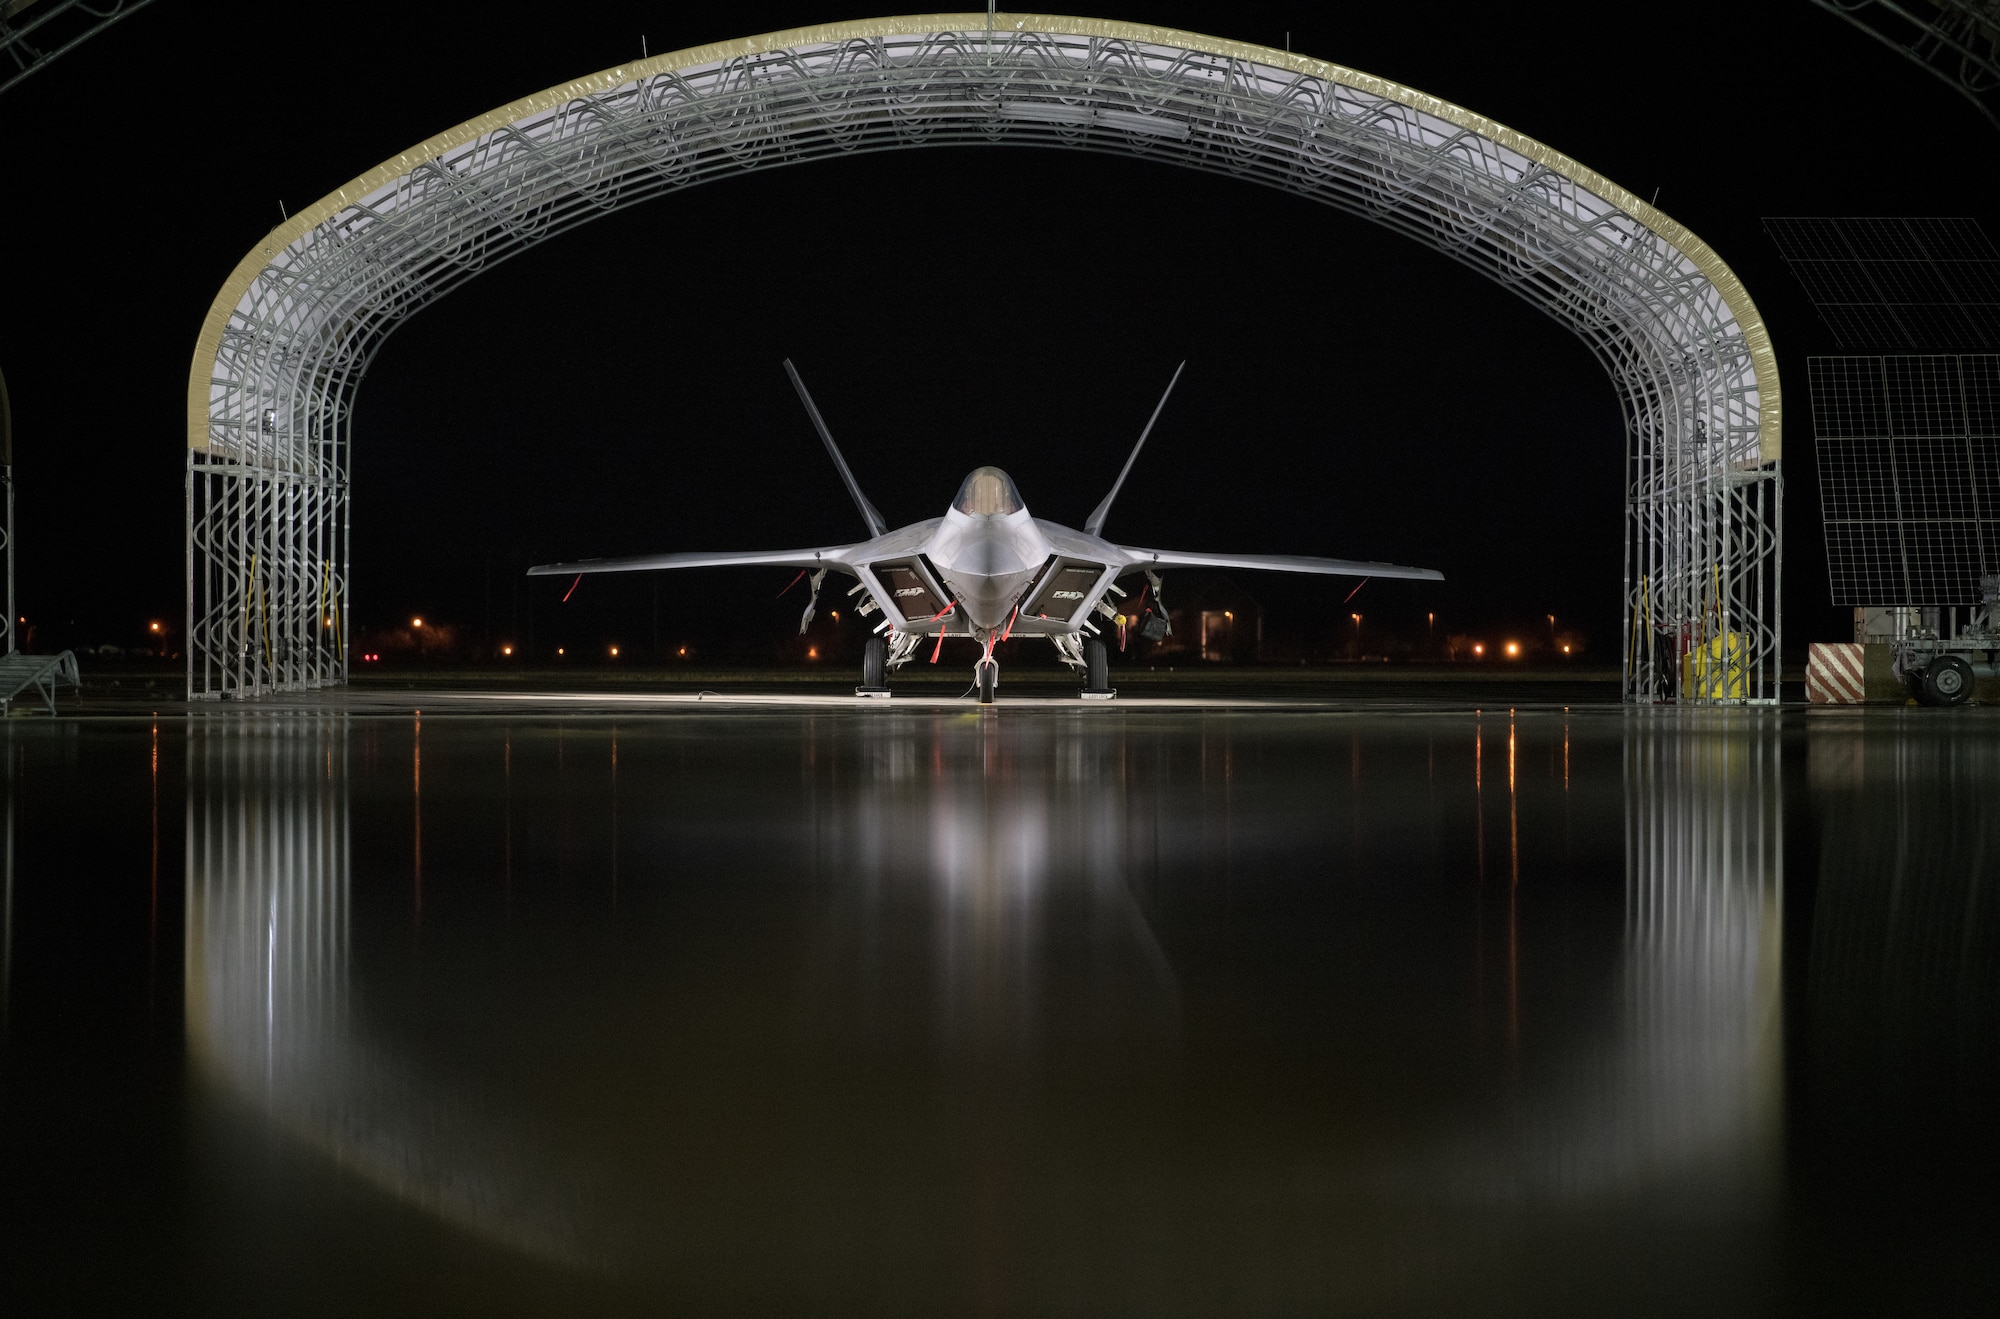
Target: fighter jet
x=987, y=571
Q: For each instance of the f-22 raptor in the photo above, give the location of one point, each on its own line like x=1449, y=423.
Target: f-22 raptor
x=987, y=571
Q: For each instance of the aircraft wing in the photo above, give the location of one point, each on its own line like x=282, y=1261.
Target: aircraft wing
x=830, y=556
x=1277, y=563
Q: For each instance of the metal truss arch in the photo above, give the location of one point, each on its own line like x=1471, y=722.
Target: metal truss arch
x=291, y=333
x=28, y=44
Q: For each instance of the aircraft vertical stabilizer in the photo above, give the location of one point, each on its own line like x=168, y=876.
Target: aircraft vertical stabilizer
x=1095, y=526
x=876, y=526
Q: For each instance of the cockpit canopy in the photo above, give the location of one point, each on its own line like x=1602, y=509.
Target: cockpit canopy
x=988, y=492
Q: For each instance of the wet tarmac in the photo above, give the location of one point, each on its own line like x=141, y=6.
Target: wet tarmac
x=427, y=1003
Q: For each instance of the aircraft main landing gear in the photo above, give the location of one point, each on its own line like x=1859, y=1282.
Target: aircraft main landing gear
x=1097, y=673
x=986, y=675
x=874, y=669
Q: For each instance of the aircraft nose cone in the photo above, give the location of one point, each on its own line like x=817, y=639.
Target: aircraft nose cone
x=989, y=556
x=988, y=562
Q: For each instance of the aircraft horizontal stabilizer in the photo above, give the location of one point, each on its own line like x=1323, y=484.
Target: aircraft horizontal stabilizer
x=826, y=557
x=1278, y=563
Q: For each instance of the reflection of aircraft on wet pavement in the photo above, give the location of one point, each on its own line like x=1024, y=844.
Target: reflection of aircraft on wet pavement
x=988, y=571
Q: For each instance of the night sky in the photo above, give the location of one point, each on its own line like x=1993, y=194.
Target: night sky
x=618, y=389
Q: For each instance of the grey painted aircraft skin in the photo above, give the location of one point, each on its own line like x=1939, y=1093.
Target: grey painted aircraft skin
x=985, y=571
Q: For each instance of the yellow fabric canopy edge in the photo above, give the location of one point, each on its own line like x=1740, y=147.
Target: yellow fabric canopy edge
x=1763, y=357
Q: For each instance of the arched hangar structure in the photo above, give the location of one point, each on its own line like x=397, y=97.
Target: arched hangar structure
x=285, y=345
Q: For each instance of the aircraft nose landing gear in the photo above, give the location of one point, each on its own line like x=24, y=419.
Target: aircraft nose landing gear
x=986, y=675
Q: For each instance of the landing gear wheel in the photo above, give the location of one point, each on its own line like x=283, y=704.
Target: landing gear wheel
x=874, y=668
x=1948, y=680
x=986, y=674
x=1097, y=671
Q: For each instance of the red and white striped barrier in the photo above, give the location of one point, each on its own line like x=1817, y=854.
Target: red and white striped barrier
x=1833, y=673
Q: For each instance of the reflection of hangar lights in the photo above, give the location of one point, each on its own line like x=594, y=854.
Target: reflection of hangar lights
x=284, y=346
x=1679, y=1083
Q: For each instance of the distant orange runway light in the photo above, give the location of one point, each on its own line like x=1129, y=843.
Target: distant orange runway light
x=1513, y=649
